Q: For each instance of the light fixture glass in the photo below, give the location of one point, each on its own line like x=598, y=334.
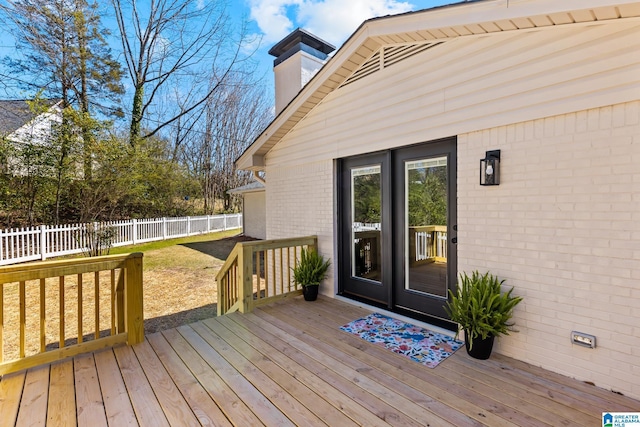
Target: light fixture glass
x=490, y=168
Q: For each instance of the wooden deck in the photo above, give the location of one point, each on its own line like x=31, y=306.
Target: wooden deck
x=289, y=364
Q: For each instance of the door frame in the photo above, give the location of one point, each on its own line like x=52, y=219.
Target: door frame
x=406, y=299
x=383, y=297
x=390, y=237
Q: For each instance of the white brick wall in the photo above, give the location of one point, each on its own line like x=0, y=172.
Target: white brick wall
x=300, y=203
x=254, y=214
x=563, y=228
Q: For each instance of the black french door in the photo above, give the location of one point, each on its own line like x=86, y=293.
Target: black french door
x=398, y=227
x=364, y=262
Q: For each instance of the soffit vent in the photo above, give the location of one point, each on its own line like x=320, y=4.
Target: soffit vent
x=369, y=67
x=387, y=56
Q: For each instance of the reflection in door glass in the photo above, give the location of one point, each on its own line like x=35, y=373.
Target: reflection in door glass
x=426, y=226
x=366, y=199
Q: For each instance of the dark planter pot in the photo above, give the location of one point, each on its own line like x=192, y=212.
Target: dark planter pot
x=310, y=292
x=481, y=348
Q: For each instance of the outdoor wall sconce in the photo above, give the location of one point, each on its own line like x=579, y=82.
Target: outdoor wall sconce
x=490, y=168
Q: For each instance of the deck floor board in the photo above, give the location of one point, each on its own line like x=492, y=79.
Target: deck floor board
x=288, y=363
x=203, y=406
x=282, y=395
x=62, y=402
x=442, y=396
x=173, y=404
x=501, y=401
x=313, y=408
x=117, y=403
x=231, y=405
x=11, y=387
x=88, y=395
x=275, y=349
x=33, y=405
x=145, y=403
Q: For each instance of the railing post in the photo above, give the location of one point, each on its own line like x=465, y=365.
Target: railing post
x=134, y=318
x=224, y=222
x=434, y=244
x=245, y=267
x=43, y=242
x=188, y=226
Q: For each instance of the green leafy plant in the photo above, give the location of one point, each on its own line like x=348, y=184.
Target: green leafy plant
x=311, y=268
x=480, y=307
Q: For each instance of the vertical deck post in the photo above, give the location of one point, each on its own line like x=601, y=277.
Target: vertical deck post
x=245, y=264
x=133, y=299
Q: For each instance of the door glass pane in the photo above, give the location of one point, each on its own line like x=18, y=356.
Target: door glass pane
x=426, y=226
x=366, y=199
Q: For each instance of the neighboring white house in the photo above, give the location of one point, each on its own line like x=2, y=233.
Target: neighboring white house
x=415, y=101
x=20, y=125
x=254, y=221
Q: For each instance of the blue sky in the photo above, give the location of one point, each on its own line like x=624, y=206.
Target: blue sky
x=271, y=20
x=331, y=20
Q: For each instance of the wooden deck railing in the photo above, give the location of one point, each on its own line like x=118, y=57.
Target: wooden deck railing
x=428, y=244
x=259, y=272
x=55, y=309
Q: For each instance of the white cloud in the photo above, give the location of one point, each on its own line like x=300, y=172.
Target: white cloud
x=271, y=17
x=331, y=20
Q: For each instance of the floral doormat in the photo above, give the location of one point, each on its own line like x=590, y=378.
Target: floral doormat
x=419, y=344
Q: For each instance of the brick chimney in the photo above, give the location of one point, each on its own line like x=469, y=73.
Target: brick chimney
x=299, y=56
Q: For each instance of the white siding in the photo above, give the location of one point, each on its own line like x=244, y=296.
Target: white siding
x=472, y=83
x=38, y=131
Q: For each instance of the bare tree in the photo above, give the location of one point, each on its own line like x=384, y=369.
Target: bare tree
x=230, y=122
x=171, y=44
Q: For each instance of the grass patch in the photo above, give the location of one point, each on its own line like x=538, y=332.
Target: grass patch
x=162, y=244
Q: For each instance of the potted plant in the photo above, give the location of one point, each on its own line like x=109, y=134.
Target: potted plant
x=309, y=272
x=482, y=310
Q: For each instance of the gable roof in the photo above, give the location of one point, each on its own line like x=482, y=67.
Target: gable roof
x=379, y=42
x=16, y=113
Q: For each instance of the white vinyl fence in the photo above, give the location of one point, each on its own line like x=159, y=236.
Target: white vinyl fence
x=45, y=241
